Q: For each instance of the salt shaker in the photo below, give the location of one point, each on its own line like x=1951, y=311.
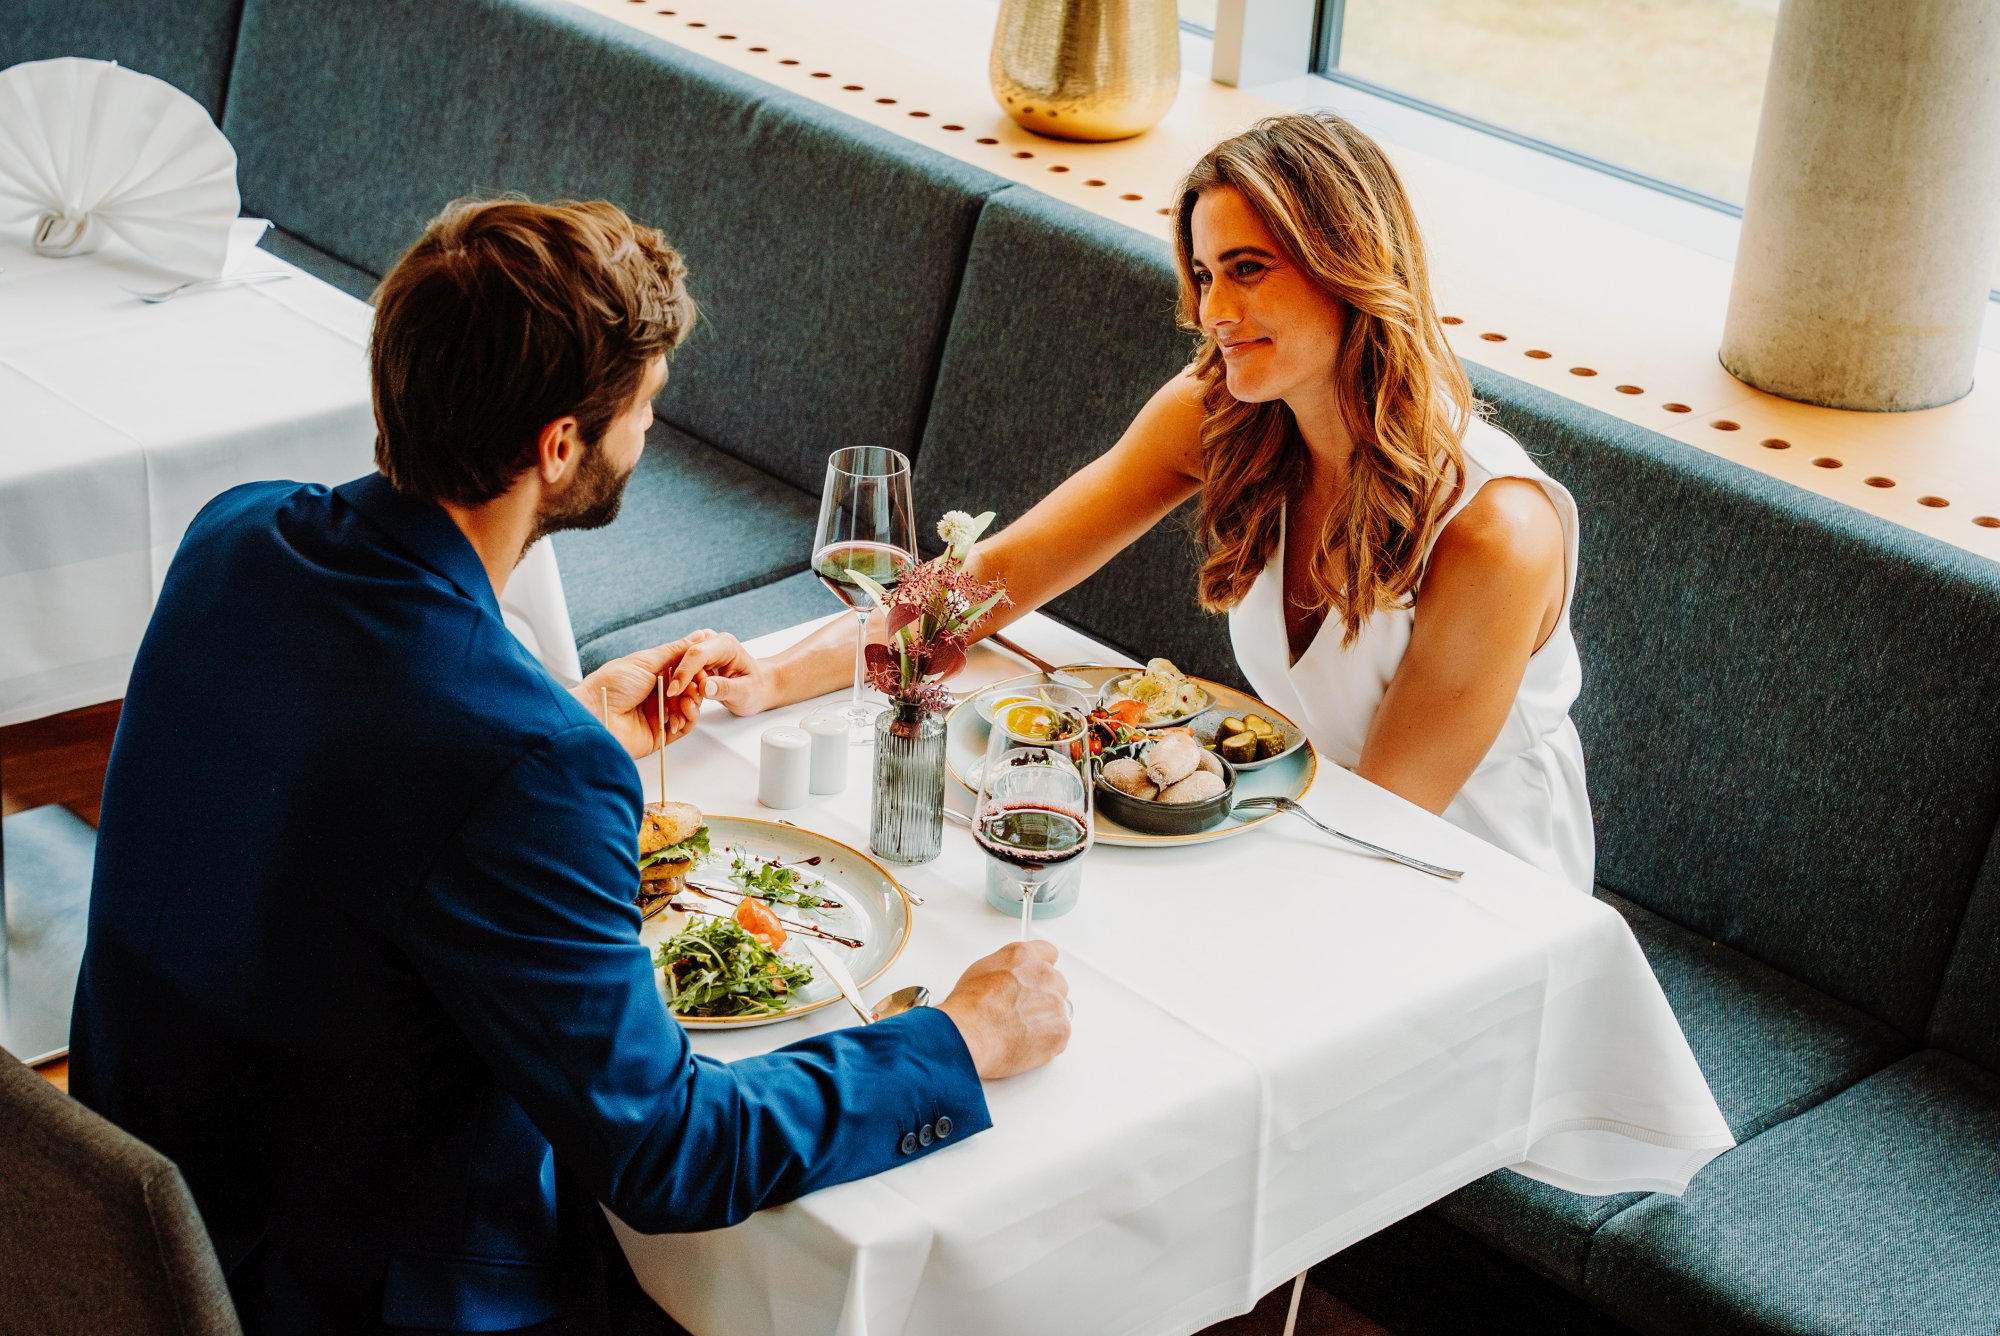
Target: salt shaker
x=830, y=750
x=783, y=764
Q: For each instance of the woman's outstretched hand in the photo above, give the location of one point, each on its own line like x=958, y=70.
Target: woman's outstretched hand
x=628, y=689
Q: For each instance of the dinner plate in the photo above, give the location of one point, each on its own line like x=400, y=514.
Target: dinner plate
x=873, y=908
x=1286, y=776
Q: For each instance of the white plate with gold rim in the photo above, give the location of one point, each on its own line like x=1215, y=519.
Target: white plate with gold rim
x=1287, y=776
x=873, y=908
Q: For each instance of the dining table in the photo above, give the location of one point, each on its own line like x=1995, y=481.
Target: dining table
x=1281, y=1044
x=124, y=418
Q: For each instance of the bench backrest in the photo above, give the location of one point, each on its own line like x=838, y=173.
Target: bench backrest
x=1788, y=707
x=188, y=43
x=825, y=253
x=1063, y=330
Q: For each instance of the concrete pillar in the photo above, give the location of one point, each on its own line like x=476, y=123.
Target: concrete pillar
x=1872, y=230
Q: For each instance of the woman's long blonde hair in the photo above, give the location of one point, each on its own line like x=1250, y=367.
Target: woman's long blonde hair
x=1338, y=209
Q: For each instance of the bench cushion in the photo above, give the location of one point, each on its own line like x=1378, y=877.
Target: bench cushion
x=825, y=253
x=1064, y=329
x=745, y=614
x=1786, y=710
x=1873, y=1212
x=354, y=282
x=1770, y=1046
x=696, y=525
x=187, y=43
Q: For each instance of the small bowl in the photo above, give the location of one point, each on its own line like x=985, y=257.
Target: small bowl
x=1157, y=818
x=1210, y=728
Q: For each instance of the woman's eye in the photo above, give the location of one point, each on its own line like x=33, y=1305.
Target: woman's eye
x=1201, y=278
x=1248, y=269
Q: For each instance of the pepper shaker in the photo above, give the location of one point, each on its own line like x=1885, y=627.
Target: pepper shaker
x=830, y=750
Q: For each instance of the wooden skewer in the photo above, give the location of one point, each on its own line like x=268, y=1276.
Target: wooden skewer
x=661, y=683
x=604, y=712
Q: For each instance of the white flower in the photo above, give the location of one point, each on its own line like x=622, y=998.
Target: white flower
x=960, y=531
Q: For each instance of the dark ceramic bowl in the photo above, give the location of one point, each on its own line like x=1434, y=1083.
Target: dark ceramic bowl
x=1155, y=818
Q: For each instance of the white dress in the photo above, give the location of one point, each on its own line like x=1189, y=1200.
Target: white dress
x=1527, y=795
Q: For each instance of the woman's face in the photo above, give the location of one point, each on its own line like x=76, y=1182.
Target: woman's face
x=1279, y=331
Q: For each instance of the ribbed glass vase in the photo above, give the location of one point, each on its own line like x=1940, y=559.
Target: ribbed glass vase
x=908, y=821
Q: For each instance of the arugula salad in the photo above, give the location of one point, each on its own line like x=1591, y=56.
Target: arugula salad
x=718, y=967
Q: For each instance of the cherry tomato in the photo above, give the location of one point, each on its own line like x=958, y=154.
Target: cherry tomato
x=760, y=922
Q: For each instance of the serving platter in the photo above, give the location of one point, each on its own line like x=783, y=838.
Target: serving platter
x=1286, y=776
x=873, y=908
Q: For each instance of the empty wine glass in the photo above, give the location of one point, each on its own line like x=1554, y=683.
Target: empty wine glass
x=867, y=523
x=1035, y=808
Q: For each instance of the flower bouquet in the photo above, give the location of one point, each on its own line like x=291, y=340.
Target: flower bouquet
x=934, y=610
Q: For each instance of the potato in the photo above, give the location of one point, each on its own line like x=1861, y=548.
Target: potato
x=1197, y=786
x=1128, y=776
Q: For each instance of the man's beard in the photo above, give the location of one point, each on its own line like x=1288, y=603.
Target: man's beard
x=591, y=501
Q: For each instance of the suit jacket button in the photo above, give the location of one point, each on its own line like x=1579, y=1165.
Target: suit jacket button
x=926, y=1134
x=943, y=1128
x=909, y=1143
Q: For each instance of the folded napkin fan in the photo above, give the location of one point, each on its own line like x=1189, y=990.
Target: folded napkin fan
x=90, y=150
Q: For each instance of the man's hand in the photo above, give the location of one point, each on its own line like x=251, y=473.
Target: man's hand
x=628, y=686
x=742, y=682
x=1012, y=1009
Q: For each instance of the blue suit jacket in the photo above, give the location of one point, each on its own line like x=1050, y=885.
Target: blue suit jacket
x=362, y=957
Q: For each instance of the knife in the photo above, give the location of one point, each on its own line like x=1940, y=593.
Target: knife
x=838, y=973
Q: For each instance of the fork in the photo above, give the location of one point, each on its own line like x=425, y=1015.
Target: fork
x=1288, y=805
x=168, y=294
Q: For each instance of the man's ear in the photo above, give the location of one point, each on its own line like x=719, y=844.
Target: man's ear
x=558, y=451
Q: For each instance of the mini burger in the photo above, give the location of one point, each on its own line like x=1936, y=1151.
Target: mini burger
x=671, y=838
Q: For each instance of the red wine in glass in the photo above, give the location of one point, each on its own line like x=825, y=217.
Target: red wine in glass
x=1032, y=837
x=881, y=562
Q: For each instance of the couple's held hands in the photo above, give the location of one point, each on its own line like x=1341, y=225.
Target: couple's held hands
x=1012, y=1009
x=625, y=693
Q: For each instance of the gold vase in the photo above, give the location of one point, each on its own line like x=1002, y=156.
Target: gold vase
x=1086, y=69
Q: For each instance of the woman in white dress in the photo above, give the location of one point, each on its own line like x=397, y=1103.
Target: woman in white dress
x=1396, y=570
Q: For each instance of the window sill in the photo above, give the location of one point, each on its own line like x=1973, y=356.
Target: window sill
x=1591, y=287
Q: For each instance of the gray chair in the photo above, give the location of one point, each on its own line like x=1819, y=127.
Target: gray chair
x=97, y=1230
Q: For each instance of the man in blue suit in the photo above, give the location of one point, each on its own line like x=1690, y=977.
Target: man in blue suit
x=362, y=958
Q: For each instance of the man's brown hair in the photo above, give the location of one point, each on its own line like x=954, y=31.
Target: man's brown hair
x=504, y=316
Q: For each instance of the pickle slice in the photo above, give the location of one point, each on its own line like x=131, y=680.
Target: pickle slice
x=1238, y=748
x=1255, y=724
x=1230, y=725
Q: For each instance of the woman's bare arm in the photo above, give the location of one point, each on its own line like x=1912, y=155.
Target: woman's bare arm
x=1493, y=593
x=1096, y=513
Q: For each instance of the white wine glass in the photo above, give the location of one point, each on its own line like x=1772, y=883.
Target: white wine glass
x=867, y=523
x=1036, y=804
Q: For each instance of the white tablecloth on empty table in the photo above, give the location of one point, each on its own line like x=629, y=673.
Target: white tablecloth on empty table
x=1281, y=1045
x=123, y=419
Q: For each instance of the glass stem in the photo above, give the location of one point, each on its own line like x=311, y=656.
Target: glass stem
x=855, y=708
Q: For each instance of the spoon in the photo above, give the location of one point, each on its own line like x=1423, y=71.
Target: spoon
x=902, y=1000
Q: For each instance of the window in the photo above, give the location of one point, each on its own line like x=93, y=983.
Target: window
x=1663, y=90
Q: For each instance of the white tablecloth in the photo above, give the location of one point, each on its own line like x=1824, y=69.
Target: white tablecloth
x=124, y=419
x=1281, y=1045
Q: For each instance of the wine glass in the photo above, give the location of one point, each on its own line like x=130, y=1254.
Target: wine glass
x=1035, y=808
x=867, y=523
